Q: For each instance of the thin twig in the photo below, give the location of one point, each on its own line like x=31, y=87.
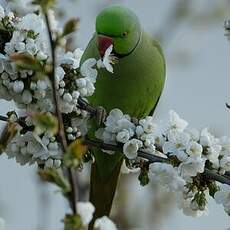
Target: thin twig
x=3, y=118
x=153, y=158
x=61, y=132
x=20, y=121
x=82, y=104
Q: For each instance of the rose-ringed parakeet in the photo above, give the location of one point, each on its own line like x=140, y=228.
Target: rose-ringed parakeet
x=134, y=87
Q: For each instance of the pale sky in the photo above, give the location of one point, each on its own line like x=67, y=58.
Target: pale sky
x=197, y=91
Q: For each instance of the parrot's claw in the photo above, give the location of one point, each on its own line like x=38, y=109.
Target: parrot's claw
x=134, y=120
x=101, y=115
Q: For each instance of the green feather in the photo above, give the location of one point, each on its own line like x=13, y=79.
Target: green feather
x=134, y=87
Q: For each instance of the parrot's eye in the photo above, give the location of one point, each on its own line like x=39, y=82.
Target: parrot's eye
x=124, y=34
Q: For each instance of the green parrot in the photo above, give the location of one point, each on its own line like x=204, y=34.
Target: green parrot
x=134, y=87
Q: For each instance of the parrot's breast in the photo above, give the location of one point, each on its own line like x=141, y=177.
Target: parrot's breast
x=137, y=81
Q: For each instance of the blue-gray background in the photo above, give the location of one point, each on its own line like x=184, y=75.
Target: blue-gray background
x=197, y=87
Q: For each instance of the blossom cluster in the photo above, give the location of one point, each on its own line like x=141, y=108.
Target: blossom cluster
x=31, y=89
x=86, y=210
x=188, y=150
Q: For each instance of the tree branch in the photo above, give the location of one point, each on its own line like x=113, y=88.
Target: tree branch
x=208, y=174
x=70, y=172
x=150, y=157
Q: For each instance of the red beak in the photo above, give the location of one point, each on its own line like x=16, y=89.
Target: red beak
x=104, y=42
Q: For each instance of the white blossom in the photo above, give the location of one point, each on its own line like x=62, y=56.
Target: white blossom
x=177, y=144
x=194, y=149
x=108, y=60
x=224, y=142
x=123, y=136
x=225, y=163
x=191, y=167
x=117, y=122
x=148, y=125
x=223, y=197
x=166, y=176
x=72, y=59
x=85, y=210
x=32, y=22
x=176, y=122
x=131, y=147
x=104, y=223
x=87, y=69
x=18, y=86
x=194, y=134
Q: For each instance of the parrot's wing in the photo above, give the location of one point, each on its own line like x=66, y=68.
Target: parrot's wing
x=157, y=45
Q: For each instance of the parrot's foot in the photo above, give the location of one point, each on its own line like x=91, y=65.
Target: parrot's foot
x=101, y=115
x=135, y=120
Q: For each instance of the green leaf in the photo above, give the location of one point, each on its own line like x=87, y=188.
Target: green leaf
x=200, y=200
x=73, y=222
x=143, y=177
x=45, y=122
x=213, y=188
x=70, y=26
x=8, y=133
x=55, y=176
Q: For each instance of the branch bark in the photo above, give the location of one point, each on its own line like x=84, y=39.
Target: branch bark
x=61, y=131
x=208, y=174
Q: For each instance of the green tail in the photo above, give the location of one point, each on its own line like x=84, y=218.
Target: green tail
x=103, y=187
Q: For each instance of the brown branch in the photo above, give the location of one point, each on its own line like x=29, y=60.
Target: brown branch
x=82, y=104
x=61, y=133
x=208, y=174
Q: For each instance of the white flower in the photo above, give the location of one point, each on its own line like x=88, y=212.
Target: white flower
x=225, y=163
x=49, y=163
x=131, y=147
x=32, y=22
x=57, y=163
x=117, y=122
x=87, y=69
x=104, y=223
x=194, y=149
x=177, y=144
x=148, y=125
x=123, y=136
x=225, y=145
x=108, y=60
x=18, y=86
x=191, y=167
x=53, y=21
x=176, y=122
x=206, y=138
x=26, y=96
x=67, y=97
x=166, y=176
x=72, y=59
x=85, y=210
x=212, y=154
x=60, y=73
x=22, y=6
x=194, y=134
x=139, y=130
x=223, y=197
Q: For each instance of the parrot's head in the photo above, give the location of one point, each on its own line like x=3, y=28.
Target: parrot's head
x=117, y=26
